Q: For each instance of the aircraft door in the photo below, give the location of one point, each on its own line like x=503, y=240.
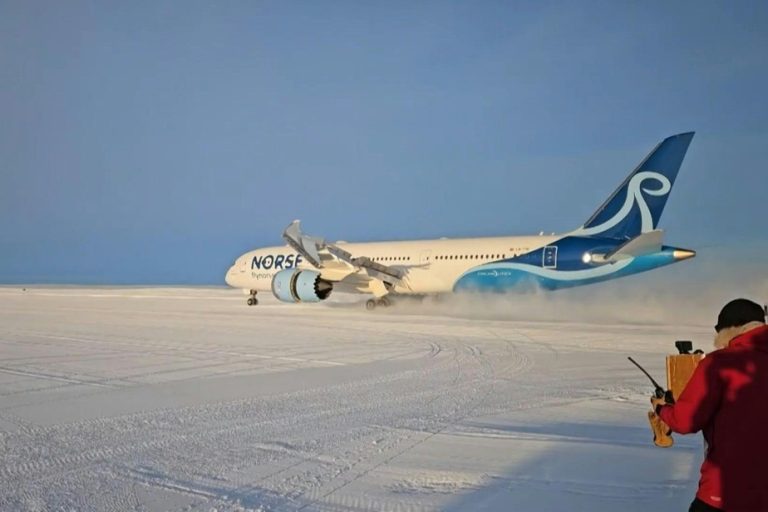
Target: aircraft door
x=425, y=258
x=549, y=258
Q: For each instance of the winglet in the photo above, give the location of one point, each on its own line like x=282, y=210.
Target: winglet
x=307, y=246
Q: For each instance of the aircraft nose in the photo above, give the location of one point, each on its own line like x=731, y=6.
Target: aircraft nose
x=228, y=277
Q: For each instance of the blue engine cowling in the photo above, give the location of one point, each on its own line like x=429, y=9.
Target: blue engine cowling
x=293, y=285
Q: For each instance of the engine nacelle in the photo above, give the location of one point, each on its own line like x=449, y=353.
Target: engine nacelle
x=293, y=285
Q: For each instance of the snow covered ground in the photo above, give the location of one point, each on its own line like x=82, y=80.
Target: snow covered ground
x=186, y=399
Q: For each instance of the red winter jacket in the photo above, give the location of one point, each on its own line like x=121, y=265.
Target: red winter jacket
x=727, y=398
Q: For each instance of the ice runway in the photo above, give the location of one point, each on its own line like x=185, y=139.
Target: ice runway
x=186, y=399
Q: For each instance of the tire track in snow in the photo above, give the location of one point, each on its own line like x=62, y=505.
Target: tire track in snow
x=474, y=383
x=50, y=467
x=334, y=434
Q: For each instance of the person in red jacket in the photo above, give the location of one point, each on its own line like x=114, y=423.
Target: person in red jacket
x=727, y=399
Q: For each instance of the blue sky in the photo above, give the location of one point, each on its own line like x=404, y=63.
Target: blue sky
x=152, y=142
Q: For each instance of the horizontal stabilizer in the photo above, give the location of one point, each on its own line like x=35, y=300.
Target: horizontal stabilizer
x=645, y=243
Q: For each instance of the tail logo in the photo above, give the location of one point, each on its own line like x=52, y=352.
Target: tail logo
x=635, y=195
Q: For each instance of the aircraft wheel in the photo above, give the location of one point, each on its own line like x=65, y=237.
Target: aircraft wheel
x=384, y=302
x=370, y=304
x=252, y=301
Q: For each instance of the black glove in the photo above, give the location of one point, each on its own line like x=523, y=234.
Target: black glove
x=666, y=398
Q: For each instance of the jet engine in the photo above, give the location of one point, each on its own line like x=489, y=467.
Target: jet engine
x=292, y=285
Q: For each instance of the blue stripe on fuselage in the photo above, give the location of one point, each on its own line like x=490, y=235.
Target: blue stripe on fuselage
x=511, y=275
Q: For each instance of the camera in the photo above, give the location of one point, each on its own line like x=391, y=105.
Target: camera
x=684, y=346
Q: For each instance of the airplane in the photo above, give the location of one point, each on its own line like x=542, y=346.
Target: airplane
x=621, y=238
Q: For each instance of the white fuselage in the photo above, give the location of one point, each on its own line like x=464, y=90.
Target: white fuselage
x=433, y=266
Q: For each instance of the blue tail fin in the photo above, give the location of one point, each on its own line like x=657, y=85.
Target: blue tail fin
x=635, y=207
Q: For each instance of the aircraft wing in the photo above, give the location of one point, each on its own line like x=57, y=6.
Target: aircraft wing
x=370, y=267
x=336, y=263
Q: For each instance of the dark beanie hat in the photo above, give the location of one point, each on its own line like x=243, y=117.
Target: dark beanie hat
x=739, y=312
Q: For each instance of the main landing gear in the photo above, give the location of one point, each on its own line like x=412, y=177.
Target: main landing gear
x=252, y=300
x=383, y=302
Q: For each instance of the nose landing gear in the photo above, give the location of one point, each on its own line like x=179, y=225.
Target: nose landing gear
x=252, y=300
